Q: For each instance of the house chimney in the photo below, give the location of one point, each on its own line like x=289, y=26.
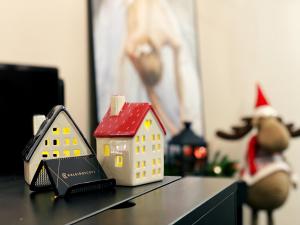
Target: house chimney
x=37, y=122
x=117, y=102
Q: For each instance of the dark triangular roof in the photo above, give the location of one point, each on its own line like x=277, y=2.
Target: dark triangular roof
x=35, y=141
x=187, y=137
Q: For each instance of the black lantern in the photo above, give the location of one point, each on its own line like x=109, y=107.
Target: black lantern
x=187, y=153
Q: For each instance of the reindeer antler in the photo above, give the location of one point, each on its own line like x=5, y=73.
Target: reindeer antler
x=238, y=131
x=293, y=132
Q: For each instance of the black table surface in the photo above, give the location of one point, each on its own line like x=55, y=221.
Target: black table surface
x=171, y=203
x=18, y=205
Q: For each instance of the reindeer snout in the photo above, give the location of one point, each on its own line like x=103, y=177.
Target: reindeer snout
x=273, y=135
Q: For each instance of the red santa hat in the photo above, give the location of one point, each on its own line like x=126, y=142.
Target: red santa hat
x=262, y=107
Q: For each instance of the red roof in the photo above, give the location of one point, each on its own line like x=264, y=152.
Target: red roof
x=127, y=123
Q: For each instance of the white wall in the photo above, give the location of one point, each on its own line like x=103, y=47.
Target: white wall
x=51, y=33
x=242, y=42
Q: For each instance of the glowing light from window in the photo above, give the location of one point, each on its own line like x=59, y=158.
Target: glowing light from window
x=55, y=130
x=200, y=153
x=66, y=130
x=55, y=153
x=76, y=152
x=67, y=153
x=67, y=141
x=187, y=150
x=106, y=150
x=75, y=142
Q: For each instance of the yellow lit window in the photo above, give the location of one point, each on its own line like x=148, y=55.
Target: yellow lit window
x=45, y=154
x=55, y=153
x=153, y=171
x=153, y=162
x=143, y=148
x=67, y=141
x=138, y=164
x=106, y=150
x=143, y=138
x=147, y=124
x=153, y=147
x=137, y=175
x=144, y=174
x=137, y=138
x=47, y=142
x=158, y=161
x=119, y=161
x=158, y=137
x=137, y=149
x=144, y=164
x=158, y=171
x=66, y=130
x=75, y=142
x=56, y=142
x=67, y=153
x=55, y=130
x=153, y=137
x=158, y=147
x=76, y=152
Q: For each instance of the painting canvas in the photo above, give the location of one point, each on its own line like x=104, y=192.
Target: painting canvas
x=147, y=51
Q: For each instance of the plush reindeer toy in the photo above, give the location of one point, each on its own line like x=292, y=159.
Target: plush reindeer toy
x=267, y=173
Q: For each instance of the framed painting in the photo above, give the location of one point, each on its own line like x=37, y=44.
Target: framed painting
x=148, y=51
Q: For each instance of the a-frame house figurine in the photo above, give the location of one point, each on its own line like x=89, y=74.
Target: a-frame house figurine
x=57, y=137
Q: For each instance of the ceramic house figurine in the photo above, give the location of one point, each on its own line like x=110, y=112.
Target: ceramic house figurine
x=130, y=143
x=56, y=136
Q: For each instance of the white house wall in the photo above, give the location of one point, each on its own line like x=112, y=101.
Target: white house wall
x=123, y=173
x=153, y=153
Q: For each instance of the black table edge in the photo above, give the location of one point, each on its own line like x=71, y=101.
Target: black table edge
x=120, y=202
x=214, y=201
